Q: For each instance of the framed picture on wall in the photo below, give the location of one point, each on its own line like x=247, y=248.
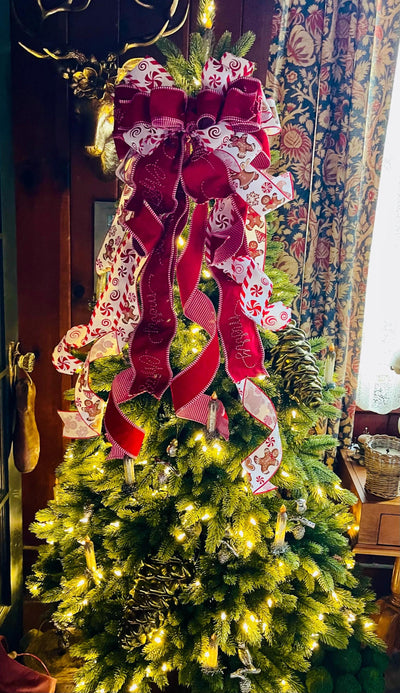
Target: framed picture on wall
x=103, y=214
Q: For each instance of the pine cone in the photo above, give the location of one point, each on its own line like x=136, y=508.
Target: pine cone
x=292, y=359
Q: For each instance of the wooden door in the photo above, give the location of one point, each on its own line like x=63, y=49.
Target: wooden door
x=10, y=482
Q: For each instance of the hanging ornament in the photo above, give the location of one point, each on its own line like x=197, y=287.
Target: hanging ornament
x=301, y=505
x=291, y=357
x=279, y=544
x=226, y=552
x=129, y=470
x=155, y=590
x=248, y=668
x=210, y=657
x=298, y=531
x=245, y=685
x=330, y=366
x=172, y=448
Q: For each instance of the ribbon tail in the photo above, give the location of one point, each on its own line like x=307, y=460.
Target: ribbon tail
x=188, y=387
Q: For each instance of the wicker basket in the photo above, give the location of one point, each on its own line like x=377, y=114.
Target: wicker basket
x=383, y=470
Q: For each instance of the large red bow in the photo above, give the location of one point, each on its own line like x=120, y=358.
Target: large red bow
x=213, y=146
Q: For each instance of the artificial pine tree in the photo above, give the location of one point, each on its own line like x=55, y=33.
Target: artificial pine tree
x=169, y=561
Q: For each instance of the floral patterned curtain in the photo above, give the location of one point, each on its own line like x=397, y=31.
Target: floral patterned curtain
x=331, y=71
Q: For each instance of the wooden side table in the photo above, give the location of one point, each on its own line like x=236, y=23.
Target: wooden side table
x=376, y=533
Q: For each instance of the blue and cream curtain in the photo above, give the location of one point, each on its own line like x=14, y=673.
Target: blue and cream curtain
x=331, y=73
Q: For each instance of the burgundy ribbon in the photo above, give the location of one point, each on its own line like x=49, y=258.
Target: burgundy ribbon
x=161, y=180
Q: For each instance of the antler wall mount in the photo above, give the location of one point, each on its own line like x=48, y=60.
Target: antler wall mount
x=89, y=76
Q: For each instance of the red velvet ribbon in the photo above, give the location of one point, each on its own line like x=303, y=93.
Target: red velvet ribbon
x=161, y=181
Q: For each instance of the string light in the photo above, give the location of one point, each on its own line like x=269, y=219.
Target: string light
x=206, y=517
x=157, y=639
x=164, y=667
x=252, y=618
x=85, y=602
x=195, y=350
x=69, y=530
x=223, y=616
x=314, y=645
x=217, y=447
x=134, y=687
x=351, y=617
x=204, y=448
x=189, y=507
x=115, y=524
x=81, y=582
x=196, y=81
x=195, y=330
x=249, y=544
x=245, y=627
x=117, y=572
x=241, y=533
x=321, y=617
x=181, y=536
x=253, y=521
x=320, y=491
x=197, y=583
x=206, y=274
x=315, y=573
x=181, y=241
x=198, y=437
x=368, y=624
x=285, y=473
x=334, y=595
x=269, y=602
x=148, y=671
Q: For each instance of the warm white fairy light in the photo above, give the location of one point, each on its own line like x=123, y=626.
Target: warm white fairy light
x=315, y=573
x=148, y=671
x=334, y=596
x=197, y=583
x=338, y=487
x=249, y=544
x=285, y=473
x=252, y=618
x=217, y=447
x=134, y=687
x=198, y=437
x=69, y=530
x=189, y=507
x=269, y=602
x=320, y=617
x=368, y=624
x=195, y=330
x=117, y=572
x=181, y=241
x=294, y=413
x=204, y=448
x=195, y=350
x=314, y=645
x=157, y=639
x=206, y=516
x=196, y=81
x=223, y=616
x=206, y=274
x=351, y=617
x=261, y=377
x=181, y=536
x=253, y=521
x=84, y=519
x=241, y=533
x=245, y=627
x=82, y=582
x=164, y=667
x=84, y=602
x=320, y=491
x=115, y=524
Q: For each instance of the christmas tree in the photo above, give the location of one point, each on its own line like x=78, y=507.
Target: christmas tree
x=168, y=547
